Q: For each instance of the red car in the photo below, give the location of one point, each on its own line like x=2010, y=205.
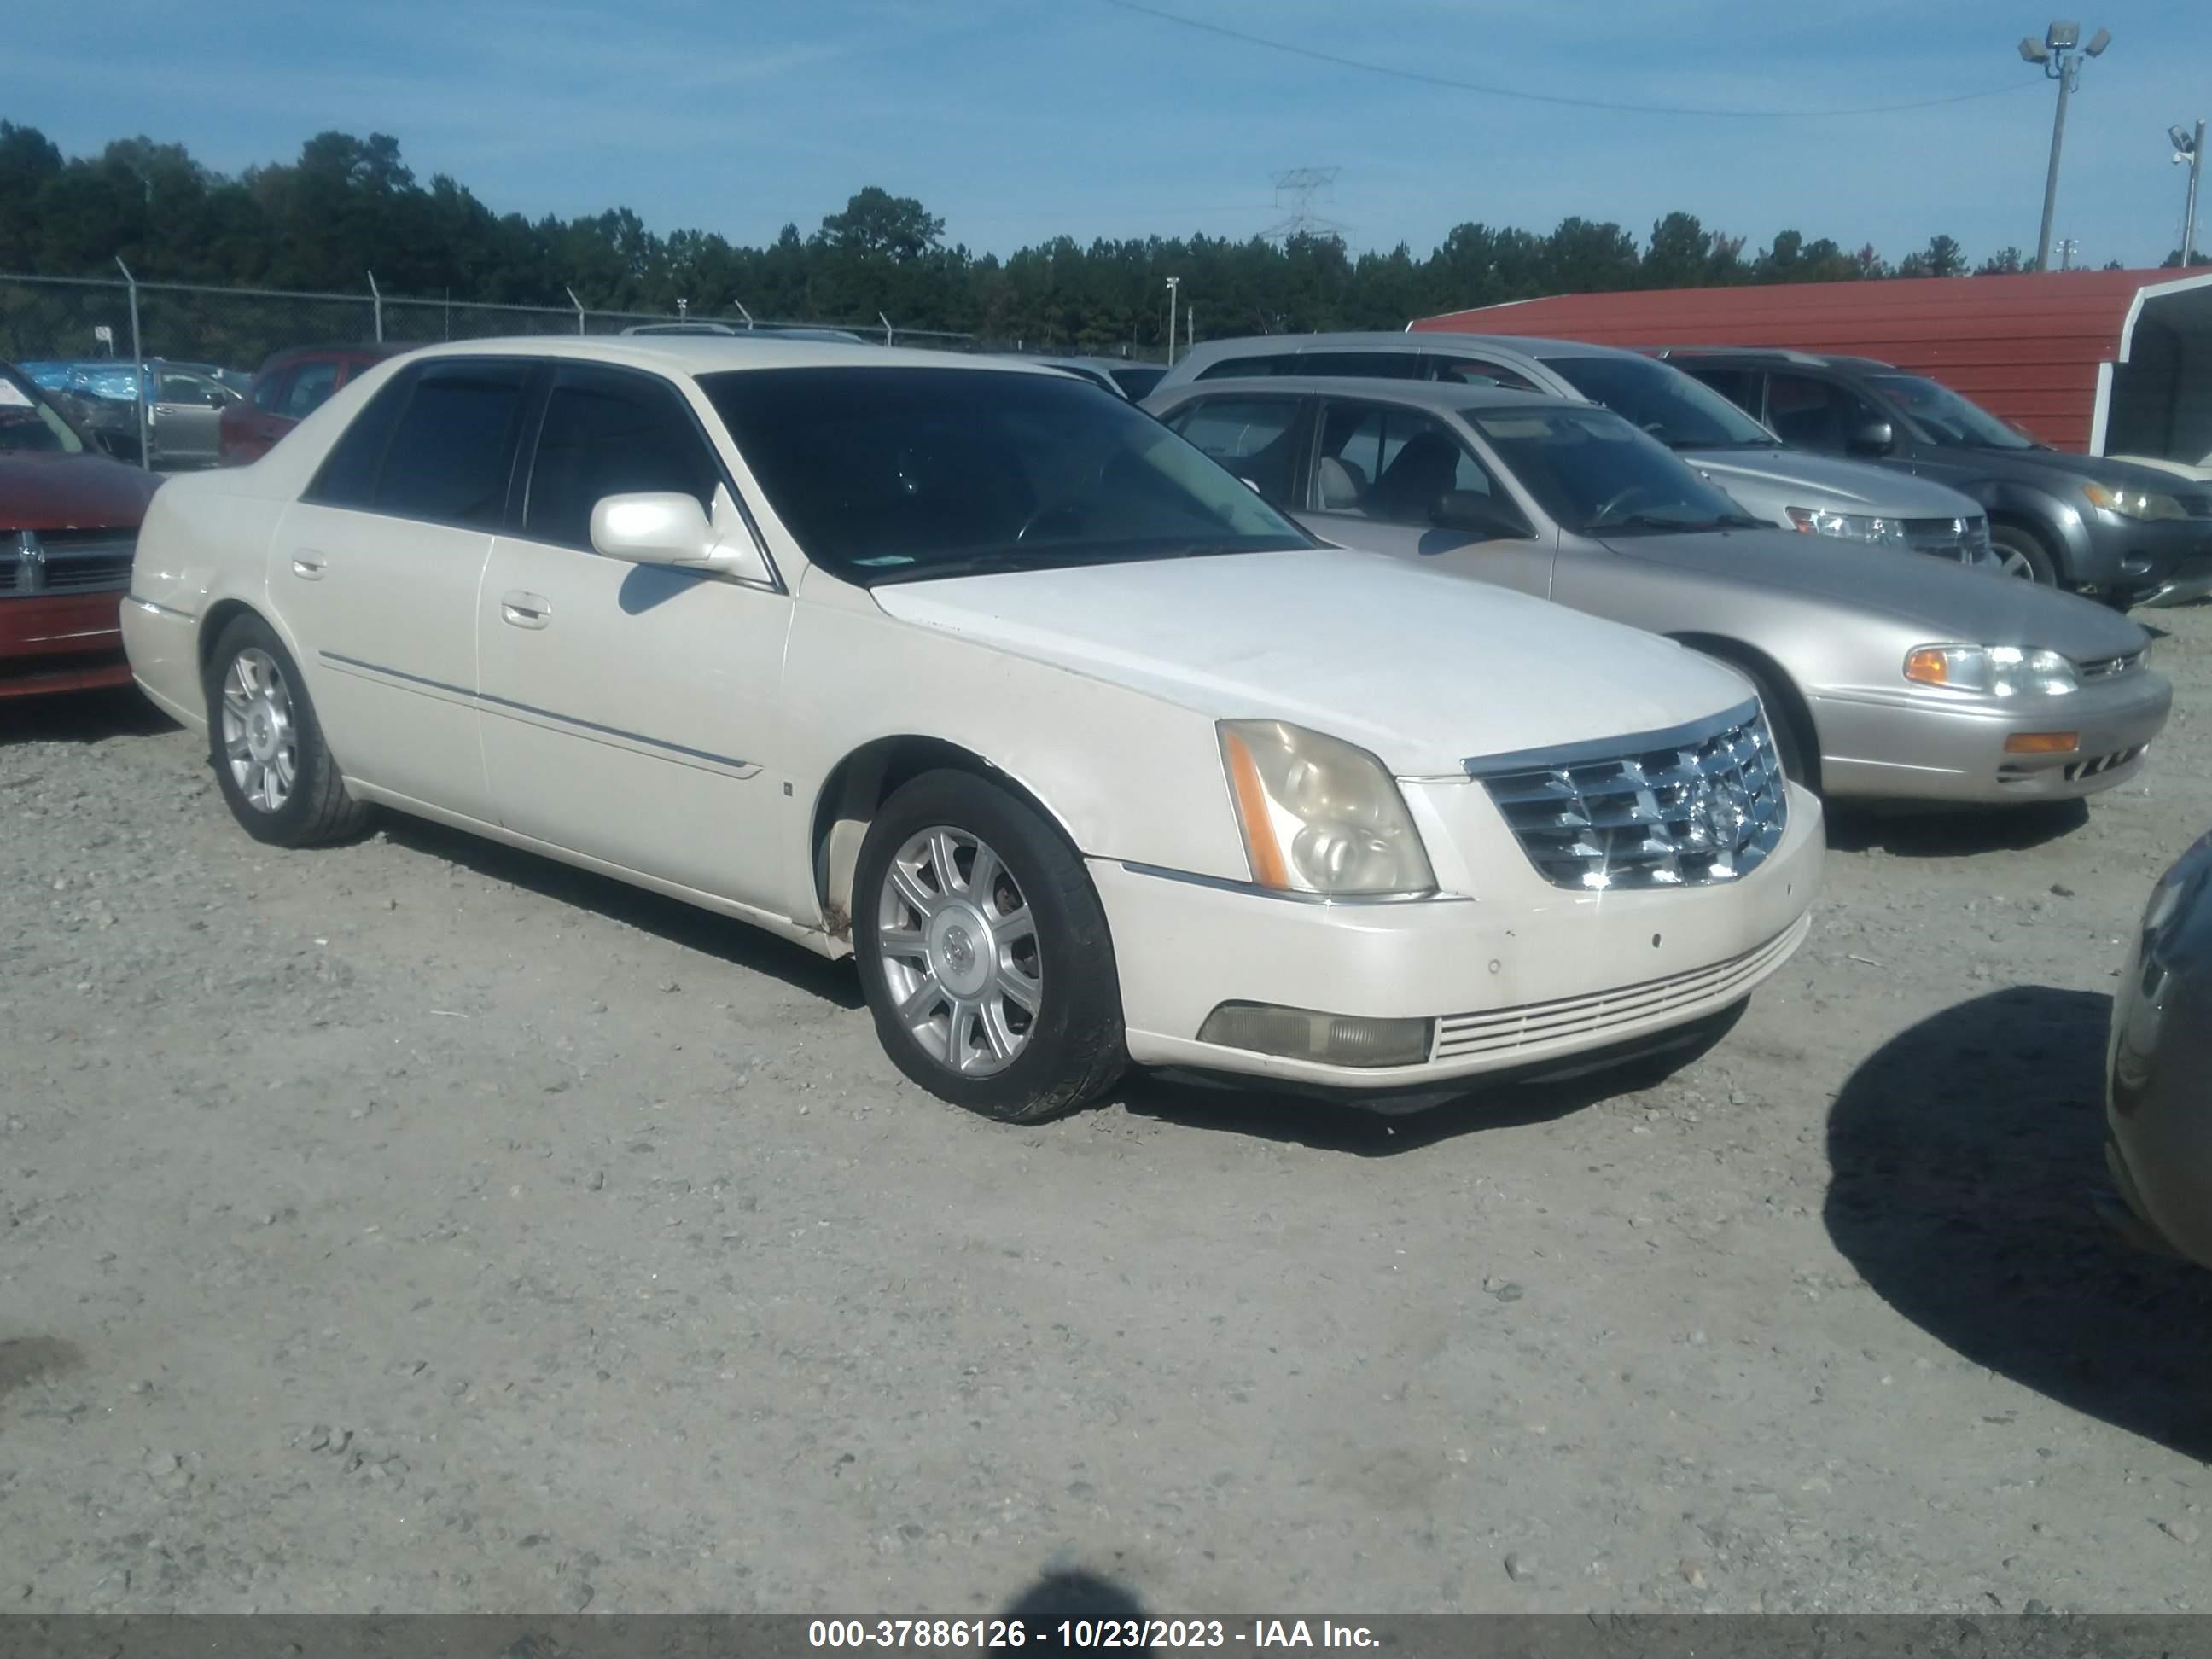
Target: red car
x=69, y=524
x=291, y=385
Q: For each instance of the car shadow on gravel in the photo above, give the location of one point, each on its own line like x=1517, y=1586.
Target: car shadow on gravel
x=1930, y=835
x=1964, y=1153
x=726, y=941
x=81, y=717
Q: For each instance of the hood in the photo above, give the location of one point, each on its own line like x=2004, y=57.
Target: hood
x=1944, y=601
x=72, y=492
x=1831, y=483
x=1420, y=668
x=2036, y=466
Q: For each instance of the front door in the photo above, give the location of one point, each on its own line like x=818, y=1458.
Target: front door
x=186, y=416
x=1380, y=474
x=376, y=572
x=630, y=711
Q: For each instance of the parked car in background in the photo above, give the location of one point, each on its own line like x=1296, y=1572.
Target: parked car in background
x=1883, y=677
x=184, y=407
x=68, y=520
x=1816, y=495
x=2122, y=533
x=1086, y=753
x=758, y=331
x=2158, y=1101
x=1129, y=380
x=290, y=387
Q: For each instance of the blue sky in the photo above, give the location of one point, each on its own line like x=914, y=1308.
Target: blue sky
x=1019, y=119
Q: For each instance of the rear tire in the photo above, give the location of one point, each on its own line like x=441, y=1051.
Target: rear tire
x=276, y=773
x=984, y=953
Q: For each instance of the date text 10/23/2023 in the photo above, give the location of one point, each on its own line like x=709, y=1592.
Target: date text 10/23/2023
x=1127, y=1635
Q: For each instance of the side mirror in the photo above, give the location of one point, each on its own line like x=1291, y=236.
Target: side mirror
x=1477, y=514
x=1874, y=438
x=673, y=529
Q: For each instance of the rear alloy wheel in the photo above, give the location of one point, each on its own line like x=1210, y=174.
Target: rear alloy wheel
x=276, y=772
x=984, y=953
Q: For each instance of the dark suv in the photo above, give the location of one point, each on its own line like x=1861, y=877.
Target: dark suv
x=2124, y=533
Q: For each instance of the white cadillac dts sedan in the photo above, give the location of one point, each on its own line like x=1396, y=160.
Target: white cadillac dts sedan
x=982, y=675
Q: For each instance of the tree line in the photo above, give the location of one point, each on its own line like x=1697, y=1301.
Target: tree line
x=349, y=204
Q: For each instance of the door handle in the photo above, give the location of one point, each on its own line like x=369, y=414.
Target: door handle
x=307, y=565
x=519, y=610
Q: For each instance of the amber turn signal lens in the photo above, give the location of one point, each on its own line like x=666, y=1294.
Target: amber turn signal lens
x=1929, y=667
x=2043, y=743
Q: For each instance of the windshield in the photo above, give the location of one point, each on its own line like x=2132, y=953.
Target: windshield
x=894, y=474
x=1595, y=473
x=1945, y=416
x=30, y=425
x=1679, y=411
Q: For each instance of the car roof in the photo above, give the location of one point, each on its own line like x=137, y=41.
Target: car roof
x=1770, y=355
x=1406, y=340
x=1447, y=395
x=711, y=354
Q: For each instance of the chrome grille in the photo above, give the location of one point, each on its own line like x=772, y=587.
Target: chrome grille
x=1697, y=803
x=1966, y=540
x=2109, y=668
x=65, y=560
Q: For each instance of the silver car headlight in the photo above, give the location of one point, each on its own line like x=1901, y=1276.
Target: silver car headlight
x=1848, y=526
x=1321, y=816
x=1991, y=671
x=2133, y=503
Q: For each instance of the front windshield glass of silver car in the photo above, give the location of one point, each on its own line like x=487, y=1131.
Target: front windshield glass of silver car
x=1681, y=412
x=29, y=425
x=1597, y=475
x=1945, y=416
x=896, y=474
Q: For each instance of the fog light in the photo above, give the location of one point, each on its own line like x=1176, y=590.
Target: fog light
x=2043, y=743
x=1331, y=1039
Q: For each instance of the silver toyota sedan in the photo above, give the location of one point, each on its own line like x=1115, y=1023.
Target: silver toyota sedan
x=1885, y=676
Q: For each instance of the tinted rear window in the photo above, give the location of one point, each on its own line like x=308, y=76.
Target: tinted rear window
x=436, y=444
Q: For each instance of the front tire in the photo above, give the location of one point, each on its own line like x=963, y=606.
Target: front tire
x=2022, y=553
x=275, y=770
x=984, y=953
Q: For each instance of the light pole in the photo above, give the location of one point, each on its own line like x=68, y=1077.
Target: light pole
x=1174, y=283
x=2190, y=147
x=2055, y=51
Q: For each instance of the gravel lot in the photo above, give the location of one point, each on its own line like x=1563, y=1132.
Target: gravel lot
x=420, y=1225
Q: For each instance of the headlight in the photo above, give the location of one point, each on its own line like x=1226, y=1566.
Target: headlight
x=1319, y=815
x=2133, y=503
x=1848, y=526
x=1992, y=670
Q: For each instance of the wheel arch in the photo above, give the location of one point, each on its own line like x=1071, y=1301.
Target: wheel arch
x=1794, y=709
x=857, y=787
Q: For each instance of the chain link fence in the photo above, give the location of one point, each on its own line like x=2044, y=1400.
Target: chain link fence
x=81, y=335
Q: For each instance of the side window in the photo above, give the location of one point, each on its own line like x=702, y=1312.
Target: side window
x=349, y=473
x=1476, y=371
x=452, y=449
x=311, y=386
x=269, y=390
x=1363, y=365
x=607, y=433
x=1249, y=436
x=1238, y=368
x=1815, y=414
x=1739, y=386
x=1393, y=465
x=189, y=389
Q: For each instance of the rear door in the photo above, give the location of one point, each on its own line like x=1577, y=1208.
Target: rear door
x=1379, y=472
x=377, y=572
x=628, y=710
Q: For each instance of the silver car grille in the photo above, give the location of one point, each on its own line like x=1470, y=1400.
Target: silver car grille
x=1967, y=540
x=2109, y=668
x=65, y=561
x=1696, y=805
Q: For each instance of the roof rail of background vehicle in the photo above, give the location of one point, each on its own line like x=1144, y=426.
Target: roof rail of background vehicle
x=710, y=353
x=1438, y=394
x=1772, y=353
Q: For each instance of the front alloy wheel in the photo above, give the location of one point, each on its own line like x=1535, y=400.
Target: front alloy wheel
x=960, y=951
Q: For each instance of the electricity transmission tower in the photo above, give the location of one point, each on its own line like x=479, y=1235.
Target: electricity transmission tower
x=1296, y=190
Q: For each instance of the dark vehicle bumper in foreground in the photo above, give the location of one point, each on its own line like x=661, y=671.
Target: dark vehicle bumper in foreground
x=61, y=642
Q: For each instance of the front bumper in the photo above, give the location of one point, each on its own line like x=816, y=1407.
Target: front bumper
x=2143, y=558
x=60, y=642
x=1522, y=977
x=1910, y=746
x=2191, y=581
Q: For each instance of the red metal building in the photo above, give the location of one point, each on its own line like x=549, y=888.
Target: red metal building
x=2108, y=362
